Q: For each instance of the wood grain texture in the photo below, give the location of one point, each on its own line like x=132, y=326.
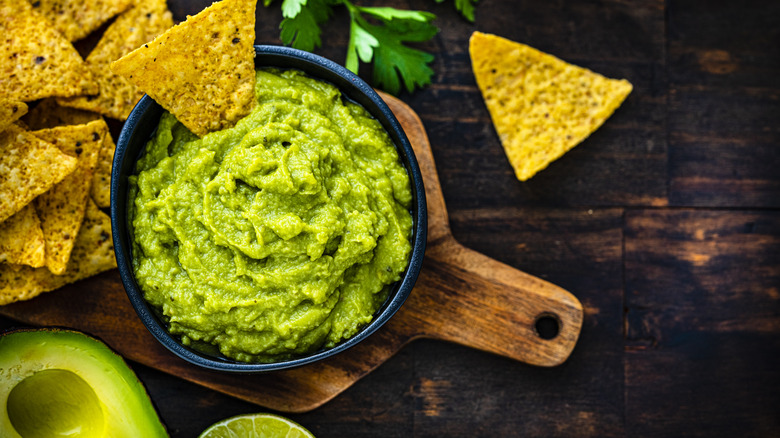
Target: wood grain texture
x=461, y=296
x=623, y=163
x=702, y=322
x=478, y=301
x=724, y=104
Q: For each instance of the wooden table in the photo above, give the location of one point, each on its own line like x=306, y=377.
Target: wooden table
x=665, y=224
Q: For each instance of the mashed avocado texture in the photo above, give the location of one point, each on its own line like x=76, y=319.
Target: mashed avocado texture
x=276, y=237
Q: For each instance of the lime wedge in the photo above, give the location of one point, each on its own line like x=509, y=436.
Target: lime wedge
x=256, y=426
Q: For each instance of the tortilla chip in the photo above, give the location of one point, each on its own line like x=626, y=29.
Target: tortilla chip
x=92, y=254
x=49, y=114
x=135, y=27
x=101, y=180
x=29, y=166
x=61, y=209
x=21, y=239
x=541, y=106
x=36, y=61
x=202, y=70
x=76, y=19
x=10, y=111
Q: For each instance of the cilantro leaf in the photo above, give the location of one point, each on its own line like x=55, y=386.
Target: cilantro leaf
x=387, y=14
x=361, y=45
x=395, y=62
x=382, y=40
x=392, y=60
x=466, y=8
x=291, y=8
x=301, y=25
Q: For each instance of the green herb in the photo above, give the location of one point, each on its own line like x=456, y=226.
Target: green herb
x=465, y=7
x=377, y=34
x=301, y=25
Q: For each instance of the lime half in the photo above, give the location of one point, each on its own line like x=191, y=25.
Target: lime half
x=256, y=426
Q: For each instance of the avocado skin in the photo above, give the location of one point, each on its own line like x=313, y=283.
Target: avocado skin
x=127, y=408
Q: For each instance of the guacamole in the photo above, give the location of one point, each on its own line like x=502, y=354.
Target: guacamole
x=278, y=236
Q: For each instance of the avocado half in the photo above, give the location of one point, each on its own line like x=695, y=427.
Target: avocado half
x=62, y=383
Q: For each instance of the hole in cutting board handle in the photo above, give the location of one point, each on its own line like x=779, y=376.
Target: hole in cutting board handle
x=547, y=326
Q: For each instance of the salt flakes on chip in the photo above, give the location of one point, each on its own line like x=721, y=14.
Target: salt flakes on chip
x=61, y=208
x=29, y=166
x=541, y=106
x=201, y=70
x=75, y=19
x=21, y=239
x=92, y=254
x=117, y=95
x=36, y=61
x=10, y=111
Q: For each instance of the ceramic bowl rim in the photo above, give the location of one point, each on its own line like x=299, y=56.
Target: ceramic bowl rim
x=128, y=151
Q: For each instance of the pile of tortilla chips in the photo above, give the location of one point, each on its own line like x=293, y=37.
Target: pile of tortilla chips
x=56, y=151
x=541, y=106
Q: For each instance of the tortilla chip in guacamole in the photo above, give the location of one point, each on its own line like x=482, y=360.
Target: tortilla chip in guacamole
x=117, y=95
x=201, y=70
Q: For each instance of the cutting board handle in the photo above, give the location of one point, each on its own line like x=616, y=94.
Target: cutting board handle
x=468, y=298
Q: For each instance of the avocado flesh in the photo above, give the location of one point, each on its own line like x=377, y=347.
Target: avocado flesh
x=59, y=383
x=55, y=403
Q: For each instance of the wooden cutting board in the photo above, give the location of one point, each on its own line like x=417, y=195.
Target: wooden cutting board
x=460, y=296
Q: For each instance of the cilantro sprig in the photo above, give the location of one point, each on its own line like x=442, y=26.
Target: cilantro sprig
x=301, y=24
x=465, y=7
x=377, y=34
x=394, y=62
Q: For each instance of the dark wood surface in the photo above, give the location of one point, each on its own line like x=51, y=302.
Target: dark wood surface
x=460, y=296
x=665, y=224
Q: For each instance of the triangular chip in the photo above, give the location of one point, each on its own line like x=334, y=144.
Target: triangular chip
x=202, y=70
x=541, y=106
x=75, y=19
x=101, y=180
x=49, y=114
x=36, y=61
x=10, y=111
x=21, y=239
x=61, y=208
x=136, y=26
x=92, y=254
x=29, y=166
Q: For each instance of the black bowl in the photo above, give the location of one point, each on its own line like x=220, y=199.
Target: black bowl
x=138, y=130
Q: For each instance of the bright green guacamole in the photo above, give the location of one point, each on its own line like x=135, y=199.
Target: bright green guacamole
x=276, y=237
